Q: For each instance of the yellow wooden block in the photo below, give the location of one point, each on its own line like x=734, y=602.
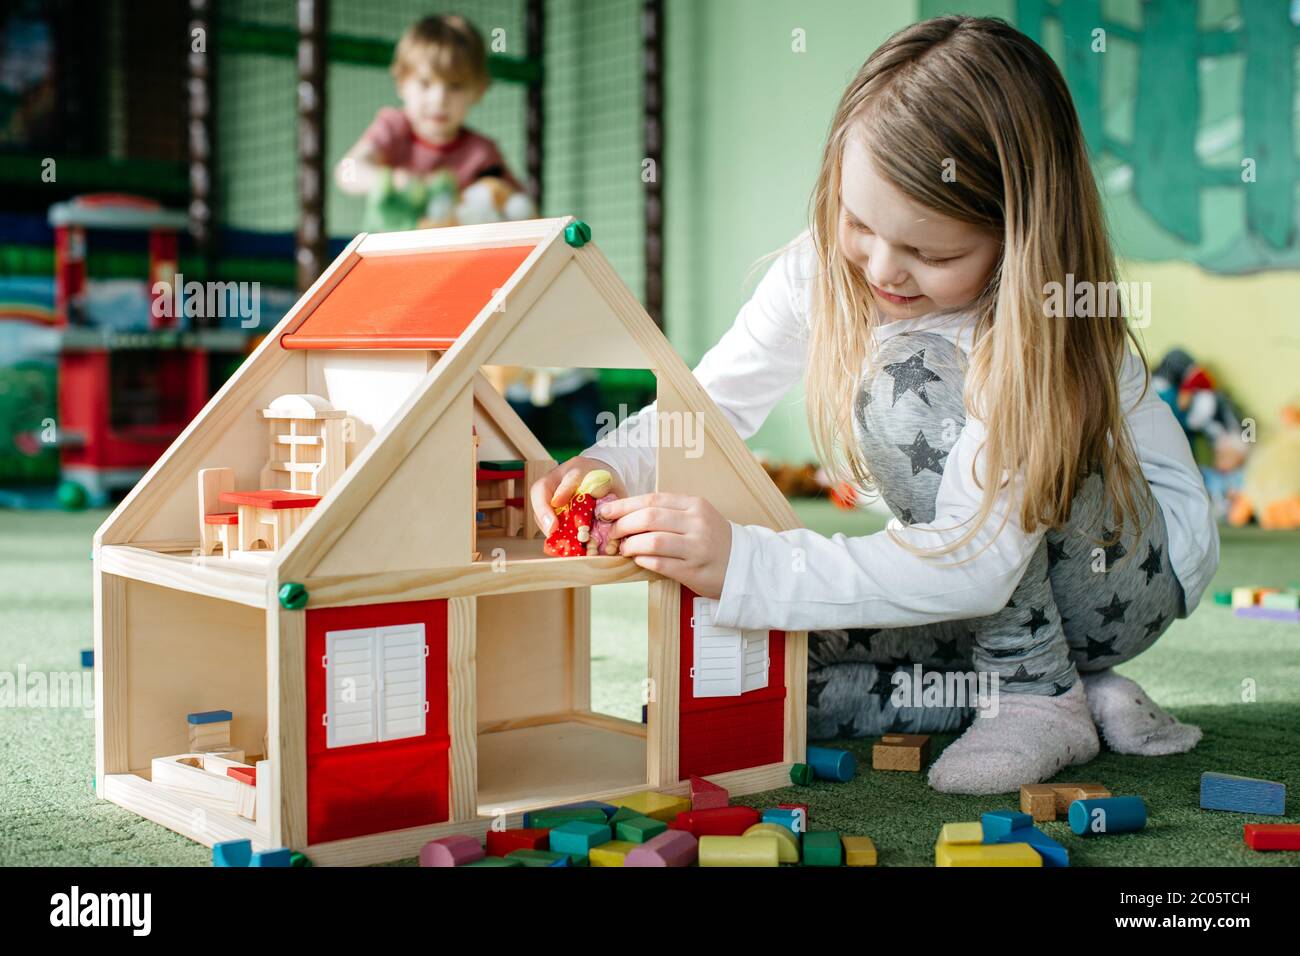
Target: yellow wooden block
x=962, y=834
x=787, y=842
x=652, y=804
x=612, y=853
x=859, y=851
x=1243, y=597
x=758, y=850
x=998, y=854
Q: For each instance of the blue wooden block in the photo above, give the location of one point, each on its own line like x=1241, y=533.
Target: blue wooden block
x=232, y=853
x=577, y=837
x=88, y=658
x=209, y=716
x=1053, y=853
x=1108, y=815
x=280, y=857
x=792, y=820
x=998, y=823
x=608, y=809
x=1223, y=791
x=830, y=764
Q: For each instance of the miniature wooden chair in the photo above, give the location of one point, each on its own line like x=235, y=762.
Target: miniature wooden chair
x=306, y=442
x=216, y=519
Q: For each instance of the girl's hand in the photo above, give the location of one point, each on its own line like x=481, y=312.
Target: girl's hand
x=557, y=486
x=679, y=536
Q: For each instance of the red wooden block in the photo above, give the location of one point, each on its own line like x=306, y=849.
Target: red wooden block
x=501, y=842
x=246, y=774
x=807, y=814
x=723, y=821
x=1273, y=836
x=706, y=795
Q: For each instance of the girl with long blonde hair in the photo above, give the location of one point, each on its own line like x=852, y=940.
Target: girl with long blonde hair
x=1049, y=521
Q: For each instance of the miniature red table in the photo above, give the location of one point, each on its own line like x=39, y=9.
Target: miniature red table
x=281, y=511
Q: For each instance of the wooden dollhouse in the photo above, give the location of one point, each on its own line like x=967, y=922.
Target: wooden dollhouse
x=385, y=685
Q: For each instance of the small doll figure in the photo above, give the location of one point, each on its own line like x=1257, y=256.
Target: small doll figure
x=577, y=531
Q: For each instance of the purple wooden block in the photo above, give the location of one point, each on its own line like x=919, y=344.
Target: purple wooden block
x=670, y=848
x=451, y=851
x=1269, y=614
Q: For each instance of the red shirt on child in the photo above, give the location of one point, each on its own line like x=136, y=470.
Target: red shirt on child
x=469, y=156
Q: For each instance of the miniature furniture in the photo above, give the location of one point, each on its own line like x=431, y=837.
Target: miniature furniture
x=306, y=439
x=397, y=691
x=216, y=518
x=500, y=498
x=267, y=518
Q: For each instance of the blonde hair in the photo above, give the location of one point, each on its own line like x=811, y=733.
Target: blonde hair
x=976, y=93
x=449, y=44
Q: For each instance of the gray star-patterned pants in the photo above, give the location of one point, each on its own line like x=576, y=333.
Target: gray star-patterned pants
x=1086, y=602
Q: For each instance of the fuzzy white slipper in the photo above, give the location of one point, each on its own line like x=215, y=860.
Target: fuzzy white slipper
x=1131, y=722
x=1031, y=739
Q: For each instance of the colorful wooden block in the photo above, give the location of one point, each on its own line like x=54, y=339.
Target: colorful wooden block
x=281, y=857
x=724, y=821
x=536, y=858
x=905, y=752
x=549, y=819
x=1281, y=601
x=999, y=823
x=246, y=775
x=1043, y=801
x=625, y=813
x=998, y=854
x=577, y=837
x=1268, y=614
x=232, y=853
x=655, y=805
x=504, y=842
x=759, y=850
x=788, y=849
x=639, y=829
x=613, y=853
x=209, y=717
x=1243, y=597
x=794, y=820
x=960, y=834
x=1272, y=836
x=859, y=851
x=1053, y=853
x=1108, y=815
x=1224, y=791
x=457, y=850
x=88, y=658
x=801, y=774
x=822, y=848
x=670, y=848
x=706, y=795
x=830, y=764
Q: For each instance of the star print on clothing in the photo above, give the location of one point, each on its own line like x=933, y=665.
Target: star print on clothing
x=1114, y=611
x=1113, y=551
x=1056, y=552
x=922, y=456
x=884, y=685
x=815, y=688
x=846, y=730
x=1021, y=676
x=1097, y=649
x=1058, y=689
x=1155, y=626
x=862, y=638
x=1152, y=564
x=1005, y=652
x=905, y=515
x=912, y=376
x=1036, y=620
x=946, y=651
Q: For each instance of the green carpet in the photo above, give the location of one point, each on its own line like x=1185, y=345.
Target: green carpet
x=48, y=814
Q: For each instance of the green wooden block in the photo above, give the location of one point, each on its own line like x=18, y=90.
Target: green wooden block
x=1223, y=597
x=801, y=774
x=494, y=861
x=624, y=813
x=822, y=848
x=550, y=819
x=538, y=857
x=640, y=829
x=1281, y=601
x=502, y=465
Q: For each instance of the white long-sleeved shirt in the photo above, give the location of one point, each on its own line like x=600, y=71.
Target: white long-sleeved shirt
x=870, y=581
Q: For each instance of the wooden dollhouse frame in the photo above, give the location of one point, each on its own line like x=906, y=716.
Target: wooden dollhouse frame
x=395, y=333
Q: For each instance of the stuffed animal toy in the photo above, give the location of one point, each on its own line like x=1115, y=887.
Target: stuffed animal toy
x=1270, y=490
x=578, y=532
x=487, y=199
x=1201, y=408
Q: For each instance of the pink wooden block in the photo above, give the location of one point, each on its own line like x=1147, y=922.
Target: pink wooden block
x=670, y=848
x=451, y=851
x=707, y=796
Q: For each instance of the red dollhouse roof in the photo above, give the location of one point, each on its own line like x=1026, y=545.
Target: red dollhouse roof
x=418, y=301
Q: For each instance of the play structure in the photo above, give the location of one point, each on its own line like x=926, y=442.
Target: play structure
x=358, y=583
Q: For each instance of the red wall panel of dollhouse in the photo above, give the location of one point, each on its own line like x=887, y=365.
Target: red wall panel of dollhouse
x=732, y=709
x=377, y=723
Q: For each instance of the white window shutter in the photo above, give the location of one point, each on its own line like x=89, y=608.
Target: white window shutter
x=402, y=703
x=718, y=665
x=754, y=645
x=350, y=687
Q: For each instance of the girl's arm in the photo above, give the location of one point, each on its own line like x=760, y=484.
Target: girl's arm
x=746, y=373
x=800, y=580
